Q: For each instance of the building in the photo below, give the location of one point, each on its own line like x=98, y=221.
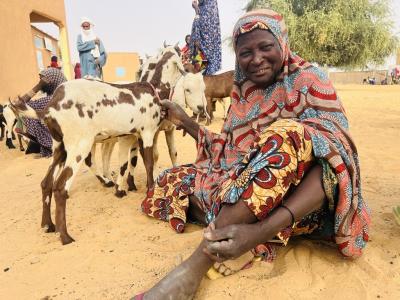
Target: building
x=357, y=77
x=121, y=67
x=45, y=47
x=19, y=56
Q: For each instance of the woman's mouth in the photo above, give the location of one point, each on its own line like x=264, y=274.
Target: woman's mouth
x=261, y=71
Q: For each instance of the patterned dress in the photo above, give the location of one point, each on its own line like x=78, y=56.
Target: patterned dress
x=206, y=31
x=269, y=140
x=37, y=128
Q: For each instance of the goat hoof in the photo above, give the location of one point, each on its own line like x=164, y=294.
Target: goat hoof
x=108, y=184
x=120, y=194
x=48, y=228
x=131, y=183
x=132, y=188
x=10, y=144
x=22, y=149
x=65, y=240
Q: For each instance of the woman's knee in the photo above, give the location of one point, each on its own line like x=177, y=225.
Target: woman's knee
x=238, y=213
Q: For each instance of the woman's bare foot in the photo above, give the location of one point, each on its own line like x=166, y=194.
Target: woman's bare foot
x=181, y=283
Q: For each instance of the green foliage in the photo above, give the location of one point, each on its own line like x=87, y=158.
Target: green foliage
x=339, y=33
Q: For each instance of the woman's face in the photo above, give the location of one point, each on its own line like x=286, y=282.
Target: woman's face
x=259, y=56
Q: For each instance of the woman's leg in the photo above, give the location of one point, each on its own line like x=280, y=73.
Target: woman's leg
x=183, y=281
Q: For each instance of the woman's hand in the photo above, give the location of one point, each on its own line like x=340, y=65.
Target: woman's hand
x=97, y=41
x=175, y=114
x=229, y=242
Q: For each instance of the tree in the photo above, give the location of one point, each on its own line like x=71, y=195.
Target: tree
x=339, y=33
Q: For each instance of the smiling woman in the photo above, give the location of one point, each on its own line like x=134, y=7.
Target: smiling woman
x=283, y=165
x=259, y=56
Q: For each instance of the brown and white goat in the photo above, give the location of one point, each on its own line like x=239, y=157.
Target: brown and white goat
x=189, y=91
x=83, y=111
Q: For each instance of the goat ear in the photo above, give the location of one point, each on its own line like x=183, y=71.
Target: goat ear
x=177, y=49
x=12, y=104
x=165, y=44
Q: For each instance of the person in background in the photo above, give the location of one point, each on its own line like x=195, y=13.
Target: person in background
x=36, y=130
x=77, y=71
x=205, y=44
x=185, y=51
x=54, y=62
x=92, y=53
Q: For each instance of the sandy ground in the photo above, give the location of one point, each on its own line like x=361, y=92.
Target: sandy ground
x=119, y=251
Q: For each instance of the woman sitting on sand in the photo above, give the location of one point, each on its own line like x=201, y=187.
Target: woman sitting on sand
x=284, y=163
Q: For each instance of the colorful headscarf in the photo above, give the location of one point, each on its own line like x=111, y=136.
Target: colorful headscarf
x=304, y=93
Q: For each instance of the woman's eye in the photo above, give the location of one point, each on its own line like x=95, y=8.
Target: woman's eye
x=245, y=54
x=266, y=47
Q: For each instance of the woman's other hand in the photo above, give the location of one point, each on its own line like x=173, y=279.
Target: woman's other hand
x=229, y=242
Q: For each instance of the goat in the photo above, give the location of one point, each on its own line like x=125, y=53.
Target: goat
x=189, y=91
x=217, y=87
x=82, y=112
x=8, y=120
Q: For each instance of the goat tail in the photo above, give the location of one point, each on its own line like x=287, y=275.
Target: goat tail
x=21, y=109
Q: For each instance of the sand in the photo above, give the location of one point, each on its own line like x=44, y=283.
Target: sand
x=119, y=251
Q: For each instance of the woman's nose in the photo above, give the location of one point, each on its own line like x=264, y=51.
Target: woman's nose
x=257, y=59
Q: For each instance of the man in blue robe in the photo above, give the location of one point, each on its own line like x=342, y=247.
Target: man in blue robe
x=91, y=50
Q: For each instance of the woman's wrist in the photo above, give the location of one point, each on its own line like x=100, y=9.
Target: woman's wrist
x=269, y=227
x=191, y=127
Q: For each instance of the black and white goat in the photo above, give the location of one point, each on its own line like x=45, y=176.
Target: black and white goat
x=8, y=120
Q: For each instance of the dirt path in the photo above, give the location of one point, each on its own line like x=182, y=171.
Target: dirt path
x=119, y=252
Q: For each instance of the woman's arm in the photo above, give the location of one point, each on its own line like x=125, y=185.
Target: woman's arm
x=27, y=97
x=234, y=240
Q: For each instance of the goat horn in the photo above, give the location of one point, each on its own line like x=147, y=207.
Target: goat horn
x=165, y=44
